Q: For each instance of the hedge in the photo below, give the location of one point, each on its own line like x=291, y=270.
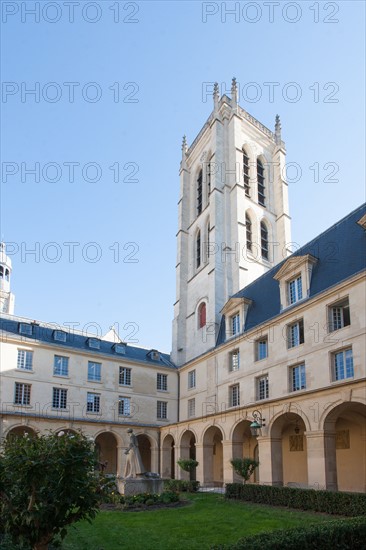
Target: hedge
x=343, y=504
x=181, y=485
x=344, y=534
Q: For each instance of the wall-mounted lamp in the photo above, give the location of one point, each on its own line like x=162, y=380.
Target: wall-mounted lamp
x=257, y=424
x=297, y=429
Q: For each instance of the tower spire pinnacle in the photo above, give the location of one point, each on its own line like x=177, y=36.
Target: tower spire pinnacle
x=278, y=138
x=234, y=93
x=216, y=97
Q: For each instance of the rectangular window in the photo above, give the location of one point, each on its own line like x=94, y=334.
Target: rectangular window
x=59, y=335
x=25, y=328
x=93, y=402
x=191, y=408
x=235, y=324
x=295, y=290
x=61, y=366
x=25, y=359
x=124, y=406
x=59, y=398
x=162, y=410
x=94, y=343
x=234, y=396
x=22, y=394
x=191, y=379
x=297, y=378
x=94, y=371
x=124, y=376
x=342, y=364
x=234, y=361
x=295, y=334
x=339, y=315
x=261, y=349
x=162, y=381
x=262, y=387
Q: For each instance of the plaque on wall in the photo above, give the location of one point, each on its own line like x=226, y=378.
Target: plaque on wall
x=342, y=439
x=296, y=443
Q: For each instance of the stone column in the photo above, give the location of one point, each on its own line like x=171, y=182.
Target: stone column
x=200, y=452
x=270, y=460
x=182, y=452
x=227, y=455
x=321, y=456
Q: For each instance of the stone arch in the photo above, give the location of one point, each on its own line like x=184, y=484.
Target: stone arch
x=243, y=444
x=213, y=467
x=288, y=450
x=345, y=441
x=20, y=431
x=106, y=446
x=168, y=457
x=187, y=449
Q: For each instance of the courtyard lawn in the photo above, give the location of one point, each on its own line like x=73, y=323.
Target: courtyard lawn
x=208, y=519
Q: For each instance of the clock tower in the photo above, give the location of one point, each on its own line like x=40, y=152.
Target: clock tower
x=233, y=219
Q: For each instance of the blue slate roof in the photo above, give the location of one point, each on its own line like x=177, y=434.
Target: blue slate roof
x=341, y=253
x=79, y=342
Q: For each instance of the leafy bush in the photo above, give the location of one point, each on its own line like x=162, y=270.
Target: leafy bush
x=244, y=467
x=346, y=504
x=345, y=534
x=181, y=485
x=187, y=464
x=148, y=499
x=47, y=482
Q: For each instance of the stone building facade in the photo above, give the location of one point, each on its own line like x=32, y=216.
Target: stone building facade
x=259, y=334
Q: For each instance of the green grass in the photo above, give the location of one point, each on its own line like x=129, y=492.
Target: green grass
x=208, y=520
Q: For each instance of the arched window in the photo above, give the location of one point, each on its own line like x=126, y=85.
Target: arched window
x=7, y=274
x=202, y=315
x=198, y=249
x=246, y=173
x=264, y=241
x=1, y=272
x=248, y=226
x=199, y=193
x=260, y=179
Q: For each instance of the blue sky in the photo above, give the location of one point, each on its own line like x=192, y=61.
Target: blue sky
x=149, y=76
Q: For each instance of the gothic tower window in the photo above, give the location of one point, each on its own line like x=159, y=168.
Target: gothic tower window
x=246, y=173
x=202, y=315
x=249, y=234
x=198, y=249
x=264, y=241
x=208, y=180
x=260, y=179
x=199, y=193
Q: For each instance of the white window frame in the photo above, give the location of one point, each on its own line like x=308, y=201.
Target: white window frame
x=259, y=345
x=162, y=410
x=25, y=360
x=235, y=324
x=22, y=394
x=234, y=361
x=124, y=406
x=191, y=408
x=26, y=329
x=342, y=371
x=191, y=379
x=59, y=336
x=294, y=333
x=59, y=398
x=294, y=290
x=336, y=315
x=298, y=377
x=93, y=402
x=234, y=395
x=63, y=366
x=161, y=381
x=262, y=390
x=125, y=376
x=94, y=371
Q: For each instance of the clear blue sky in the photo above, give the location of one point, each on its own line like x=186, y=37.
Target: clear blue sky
x=168, y=53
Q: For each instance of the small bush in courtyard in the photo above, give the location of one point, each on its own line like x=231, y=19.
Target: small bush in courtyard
x=181, y=485
x=244, y=467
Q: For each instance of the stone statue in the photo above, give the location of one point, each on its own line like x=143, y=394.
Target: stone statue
x=134, y=466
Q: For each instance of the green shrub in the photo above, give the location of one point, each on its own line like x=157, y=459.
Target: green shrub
x=344, y=534
x=187, y=464
x=181, y=485
x=244, y=467
x=343, y=504
x=148, y=499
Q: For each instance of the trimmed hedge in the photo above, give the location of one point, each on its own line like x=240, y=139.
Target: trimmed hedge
x=181, y=485
x=343, y=504
x=344, y=534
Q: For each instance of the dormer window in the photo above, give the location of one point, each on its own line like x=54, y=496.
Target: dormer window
x=59, y=336
x=94, y=343
x=235, y=324
x=26, y=329
x=120, y=349
x=294, y=288
x=235, y=311
x=154, y=355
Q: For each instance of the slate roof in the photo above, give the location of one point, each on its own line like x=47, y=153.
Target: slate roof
x=79, y=342
x=341, y=253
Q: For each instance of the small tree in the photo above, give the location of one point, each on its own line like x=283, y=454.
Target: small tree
x=187, y=464
x=244, y=467
x=47, y=482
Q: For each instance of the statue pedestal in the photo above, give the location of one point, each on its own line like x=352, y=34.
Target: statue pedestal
x=136, y=485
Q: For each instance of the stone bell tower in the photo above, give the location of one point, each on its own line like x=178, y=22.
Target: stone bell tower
x=6, y=297
x=233, y=220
